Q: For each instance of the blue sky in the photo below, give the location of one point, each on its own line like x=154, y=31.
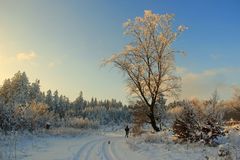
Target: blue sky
x=62, y=43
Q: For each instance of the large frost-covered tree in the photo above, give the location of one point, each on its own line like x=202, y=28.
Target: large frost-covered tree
x=79, y=104
x=35, y=93
x=148, y=61
x=6, y=92
x=49, y=100
x=15, y=91
x=56, y=101
x=20, y=87
x=63, y=106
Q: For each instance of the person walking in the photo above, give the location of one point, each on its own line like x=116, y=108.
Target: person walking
x=127, y=131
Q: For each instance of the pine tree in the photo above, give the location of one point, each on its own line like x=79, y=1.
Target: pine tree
x=6, y=92
x=79, y=104
x=35, y=93
x=55, y=101
x=20, y=88
x=49, y=100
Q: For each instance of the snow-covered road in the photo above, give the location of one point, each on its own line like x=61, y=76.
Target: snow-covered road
x=106, y=146
x=80, y=148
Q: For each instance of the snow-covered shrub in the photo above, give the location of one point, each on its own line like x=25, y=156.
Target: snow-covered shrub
x=193, y=124
x=36, y=115
x=44, y=116
x=152, y=138
x=81, y=123
x=7, y=120
x=29, y=117
x=139, y=117
x=64, y=131
x=186, y=126
x=137, y=130
x=224, y=152
x=160, y=137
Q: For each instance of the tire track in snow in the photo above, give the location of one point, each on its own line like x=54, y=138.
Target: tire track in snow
x=85, y=150
x=113, y=149
x=98, y=148
x=91, y=151
x=105, y=154
x=107, y=151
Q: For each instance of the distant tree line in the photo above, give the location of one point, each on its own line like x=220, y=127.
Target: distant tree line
x=24, y=106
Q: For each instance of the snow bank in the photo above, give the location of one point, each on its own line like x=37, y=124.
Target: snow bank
x=160, y=146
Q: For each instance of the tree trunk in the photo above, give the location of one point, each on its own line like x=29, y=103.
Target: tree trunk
x=153, y=122
x=152, y=118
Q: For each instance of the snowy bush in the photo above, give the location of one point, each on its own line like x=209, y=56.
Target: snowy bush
x=224, y=152
x=185, y=125
x=139, y=117
x=152, y=138
x=7, y=120
x=33, y=116
x=194, y=125
x=81, y=123
x=137, y=130
x=30, y=117
x=65, y=131
x=161, y=137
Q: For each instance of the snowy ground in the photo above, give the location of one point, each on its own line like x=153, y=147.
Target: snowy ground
x=83, y=147
x=79, y=148
x=103, y=146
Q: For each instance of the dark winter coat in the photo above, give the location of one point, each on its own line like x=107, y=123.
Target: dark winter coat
x=127, y=129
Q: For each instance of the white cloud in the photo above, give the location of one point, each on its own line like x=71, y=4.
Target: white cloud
x=26, y=56
x=202, y=84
